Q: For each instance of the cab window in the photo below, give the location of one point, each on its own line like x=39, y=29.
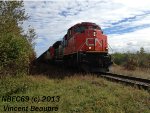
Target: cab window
x=80, y=29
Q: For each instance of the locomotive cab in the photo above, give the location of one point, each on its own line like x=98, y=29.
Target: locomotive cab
x=86, y=45
x=85, y=37
x=95, y=40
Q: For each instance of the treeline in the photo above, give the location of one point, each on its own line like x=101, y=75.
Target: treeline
x=130, y=60
x=16, y=45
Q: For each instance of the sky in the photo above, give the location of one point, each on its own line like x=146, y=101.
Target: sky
x=125, y=22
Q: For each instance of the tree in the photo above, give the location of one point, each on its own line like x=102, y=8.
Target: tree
x=12, y=15
x=31, y=36
x=15, y=47
x=142, y=51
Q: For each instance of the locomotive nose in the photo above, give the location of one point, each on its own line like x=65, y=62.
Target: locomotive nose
x=90, y=41
x=90, y=44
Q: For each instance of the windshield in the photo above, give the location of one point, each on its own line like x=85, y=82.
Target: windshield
x=81, y=29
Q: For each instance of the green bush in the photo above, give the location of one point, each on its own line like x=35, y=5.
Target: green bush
x=132, y=60
x=119, y=58
x=15, y=54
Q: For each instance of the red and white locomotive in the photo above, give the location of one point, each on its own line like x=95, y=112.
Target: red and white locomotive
x=84, y=46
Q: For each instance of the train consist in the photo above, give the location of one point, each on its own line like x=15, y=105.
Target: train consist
x=84, y=47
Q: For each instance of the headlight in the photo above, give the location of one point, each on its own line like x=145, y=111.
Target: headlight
x=94, y=33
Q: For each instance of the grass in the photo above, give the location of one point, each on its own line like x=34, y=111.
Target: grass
x=138, y=72
x=78, y=94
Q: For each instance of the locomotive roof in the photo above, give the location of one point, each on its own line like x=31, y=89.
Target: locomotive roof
x=56, y=44
x=85, y=24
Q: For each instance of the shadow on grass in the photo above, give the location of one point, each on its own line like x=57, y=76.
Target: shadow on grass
x=54, y=71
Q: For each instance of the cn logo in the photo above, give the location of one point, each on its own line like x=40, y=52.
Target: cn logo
x=93, y=42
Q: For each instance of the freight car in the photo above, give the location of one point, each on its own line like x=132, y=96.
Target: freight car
x=48, y=56
x=84, y=47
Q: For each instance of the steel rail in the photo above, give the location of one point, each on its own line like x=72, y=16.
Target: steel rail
x=133, y=81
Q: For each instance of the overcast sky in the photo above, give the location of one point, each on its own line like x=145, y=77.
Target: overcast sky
x=125, y=22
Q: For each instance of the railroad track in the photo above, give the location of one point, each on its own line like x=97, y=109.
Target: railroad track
x=133, y=81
